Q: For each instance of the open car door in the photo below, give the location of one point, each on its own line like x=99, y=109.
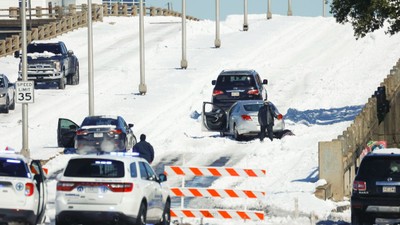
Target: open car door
x=66, y=132
x=214, y=117
x=40, y=180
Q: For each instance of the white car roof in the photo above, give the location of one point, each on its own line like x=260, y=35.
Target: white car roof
x=13, y=155
x=116, y=156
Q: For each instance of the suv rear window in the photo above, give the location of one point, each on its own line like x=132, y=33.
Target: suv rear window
x=13, y=168
x=94, y=168
x=380, y=167
x=235, y=80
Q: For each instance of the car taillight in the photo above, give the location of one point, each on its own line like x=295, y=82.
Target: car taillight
x=29, y=189
x=279, y=117
x=65, y=186
x=81, y=132
x=359, y=185
x=114, y=132
x=217, y=92
x=120, y=187
x=246, y=117
x=253, y=92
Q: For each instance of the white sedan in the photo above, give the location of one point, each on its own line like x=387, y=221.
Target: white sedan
x=241, y=119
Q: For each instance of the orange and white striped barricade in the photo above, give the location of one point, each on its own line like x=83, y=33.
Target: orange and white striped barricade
x=217, y=214
x=214, y=193
x=213, y=171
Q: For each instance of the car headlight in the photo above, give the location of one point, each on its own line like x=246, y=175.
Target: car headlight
x=2, y=95
x=57, y=65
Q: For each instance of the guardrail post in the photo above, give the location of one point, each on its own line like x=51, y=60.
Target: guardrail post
x=38, y=12
x=114, y=9
x=124, y=10
x=71, y=9
x=134, y=10
x=2, y=47
x=13, y=12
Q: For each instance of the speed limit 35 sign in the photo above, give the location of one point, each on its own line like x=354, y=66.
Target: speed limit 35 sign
x=24, y=91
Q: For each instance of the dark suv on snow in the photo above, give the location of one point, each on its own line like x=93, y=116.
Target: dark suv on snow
x=234, y=85
x=376, y=187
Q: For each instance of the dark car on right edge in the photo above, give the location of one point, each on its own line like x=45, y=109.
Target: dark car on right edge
x=376, y=187
x=234, y=85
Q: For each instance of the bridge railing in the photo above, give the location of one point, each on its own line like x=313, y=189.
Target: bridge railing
x=68, y=19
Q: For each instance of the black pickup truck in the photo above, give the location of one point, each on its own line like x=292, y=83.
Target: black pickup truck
x=50, y=62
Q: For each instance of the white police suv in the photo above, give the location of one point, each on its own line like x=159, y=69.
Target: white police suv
x=23, y=191
x=111, y=189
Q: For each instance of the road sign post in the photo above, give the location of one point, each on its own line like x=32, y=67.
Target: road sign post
x=24, y=91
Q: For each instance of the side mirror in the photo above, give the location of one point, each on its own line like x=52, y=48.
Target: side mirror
x=130, y=125
x=17, y=54
x=265, y=81
x=213, y=82
x=162, y=177
x=70, y=52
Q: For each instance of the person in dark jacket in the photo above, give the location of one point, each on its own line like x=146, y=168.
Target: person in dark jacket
x=144, y=149
x=266, y=117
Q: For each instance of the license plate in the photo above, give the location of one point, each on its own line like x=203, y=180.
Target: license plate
x=235, y=94
x=389, y=189
x=98, y=135
x=91, y=189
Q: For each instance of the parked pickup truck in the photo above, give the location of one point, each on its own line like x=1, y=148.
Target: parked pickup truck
x=50, y=62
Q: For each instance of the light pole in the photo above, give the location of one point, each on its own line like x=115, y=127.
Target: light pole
x=184, y=62
x=90, y=59
x=289, y=12
x=25, y=146
x=245, y=23
x=142, y=85
x=269, y=14
x=217, y=41
x=324, y=2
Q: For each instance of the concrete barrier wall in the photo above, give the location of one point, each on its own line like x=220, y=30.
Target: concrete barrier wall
x=339, y=158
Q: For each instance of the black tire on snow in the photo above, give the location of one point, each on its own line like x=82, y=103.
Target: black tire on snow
x=141, y=218
x=237, y=136
x=166, y=217
x=75, y=76
x=61, y=83
x=12, y=106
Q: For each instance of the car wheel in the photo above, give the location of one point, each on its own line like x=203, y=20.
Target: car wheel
x=141, y=218
x=75, y=77
x=61, y=83
x=6, y=108
x=12, y=106
x=236, y=134
x=358, y=218
x=166, y=216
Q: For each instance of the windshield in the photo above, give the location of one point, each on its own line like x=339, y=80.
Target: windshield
x=235, y=80
x=380, y=167
x=42, y=48
x=13, y=168
x=94, y=168
x=91, y=121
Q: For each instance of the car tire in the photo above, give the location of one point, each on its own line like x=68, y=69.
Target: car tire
x=6, y=108
x=61, y=83
x=358, y=218
x=236, y=134
x=75, y=76
x=166, y=216
x=141, y=217
x=12, y=106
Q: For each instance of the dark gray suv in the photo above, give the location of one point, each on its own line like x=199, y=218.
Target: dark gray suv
x=234, y=85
